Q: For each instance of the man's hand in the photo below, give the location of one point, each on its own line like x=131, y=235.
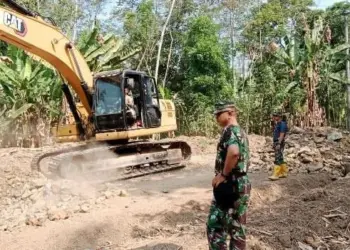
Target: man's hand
x=217, y=180
x=278, y=146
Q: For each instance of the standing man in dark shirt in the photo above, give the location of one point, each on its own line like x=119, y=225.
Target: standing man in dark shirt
x=279, y=135
x=231, y=185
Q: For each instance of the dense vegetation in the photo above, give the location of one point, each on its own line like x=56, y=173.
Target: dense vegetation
x=282, y=54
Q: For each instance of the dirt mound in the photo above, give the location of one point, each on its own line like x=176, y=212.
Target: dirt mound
x=28, y=198
x=309, y=151
x=201, y=145
x=311, y=210
x=313, y=150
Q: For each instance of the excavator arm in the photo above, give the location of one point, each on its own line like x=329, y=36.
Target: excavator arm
x=30, y=32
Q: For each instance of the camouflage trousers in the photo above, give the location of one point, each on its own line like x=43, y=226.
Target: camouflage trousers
x=279, y=154
x=222, y=223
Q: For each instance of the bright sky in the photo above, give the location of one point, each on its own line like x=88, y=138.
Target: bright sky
x=326, y=3
x=319, y=4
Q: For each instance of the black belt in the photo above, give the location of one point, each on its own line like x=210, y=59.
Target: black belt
x=238, y=174
x=235, y=174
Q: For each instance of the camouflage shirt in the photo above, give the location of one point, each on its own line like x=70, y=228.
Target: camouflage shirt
x=233, y=135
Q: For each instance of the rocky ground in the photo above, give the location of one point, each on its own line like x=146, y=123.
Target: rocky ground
x=308, y=151
x=29, y=198
x=309, y=210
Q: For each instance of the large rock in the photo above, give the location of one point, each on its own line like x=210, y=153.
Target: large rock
x=334, y=136
x=38, y=183
x=85, y=208
x=314, y=167
x=297, y=130
x=305, y=150
x=57, y=214
x=306, y=158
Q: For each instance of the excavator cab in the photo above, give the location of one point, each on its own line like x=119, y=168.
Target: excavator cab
x=112, y=110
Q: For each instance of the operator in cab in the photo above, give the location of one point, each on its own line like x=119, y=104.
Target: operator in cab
x=129, y=101
x=130, y=105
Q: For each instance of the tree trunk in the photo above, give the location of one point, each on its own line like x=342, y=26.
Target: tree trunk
x=232, y=51
x=314, y=116
x=169, y=57
x=161, y=39
x=75, y=27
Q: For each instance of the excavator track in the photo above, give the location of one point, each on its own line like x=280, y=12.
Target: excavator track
x=102, y=162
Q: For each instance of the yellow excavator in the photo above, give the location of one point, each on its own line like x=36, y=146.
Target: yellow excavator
x=108, y=111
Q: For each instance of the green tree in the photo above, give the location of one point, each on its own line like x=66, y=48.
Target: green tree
x=143, y=29
x=30, y=98
x=334, y=16
x=53, y=9
x=205, y=68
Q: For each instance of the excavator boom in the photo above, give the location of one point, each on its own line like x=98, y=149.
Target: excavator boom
x=33, y=34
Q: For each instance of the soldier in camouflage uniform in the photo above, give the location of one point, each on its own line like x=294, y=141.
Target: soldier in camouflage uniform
x=231, y=167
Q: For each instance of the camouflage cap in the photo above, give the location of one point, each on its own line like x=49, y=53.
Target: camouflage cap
x=224, y=106
x=276, y=113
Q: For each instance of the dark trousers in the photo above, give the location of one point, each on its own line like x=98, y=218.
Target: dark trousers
x=278, y=153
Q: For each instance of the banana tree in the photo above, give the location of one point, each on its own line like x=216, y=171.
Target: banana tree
x=30, y=93
x=104, y=52
x=304, y=58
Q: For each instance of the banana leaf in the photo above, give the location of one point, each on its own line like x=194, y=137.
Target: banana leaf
x=13, y=115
